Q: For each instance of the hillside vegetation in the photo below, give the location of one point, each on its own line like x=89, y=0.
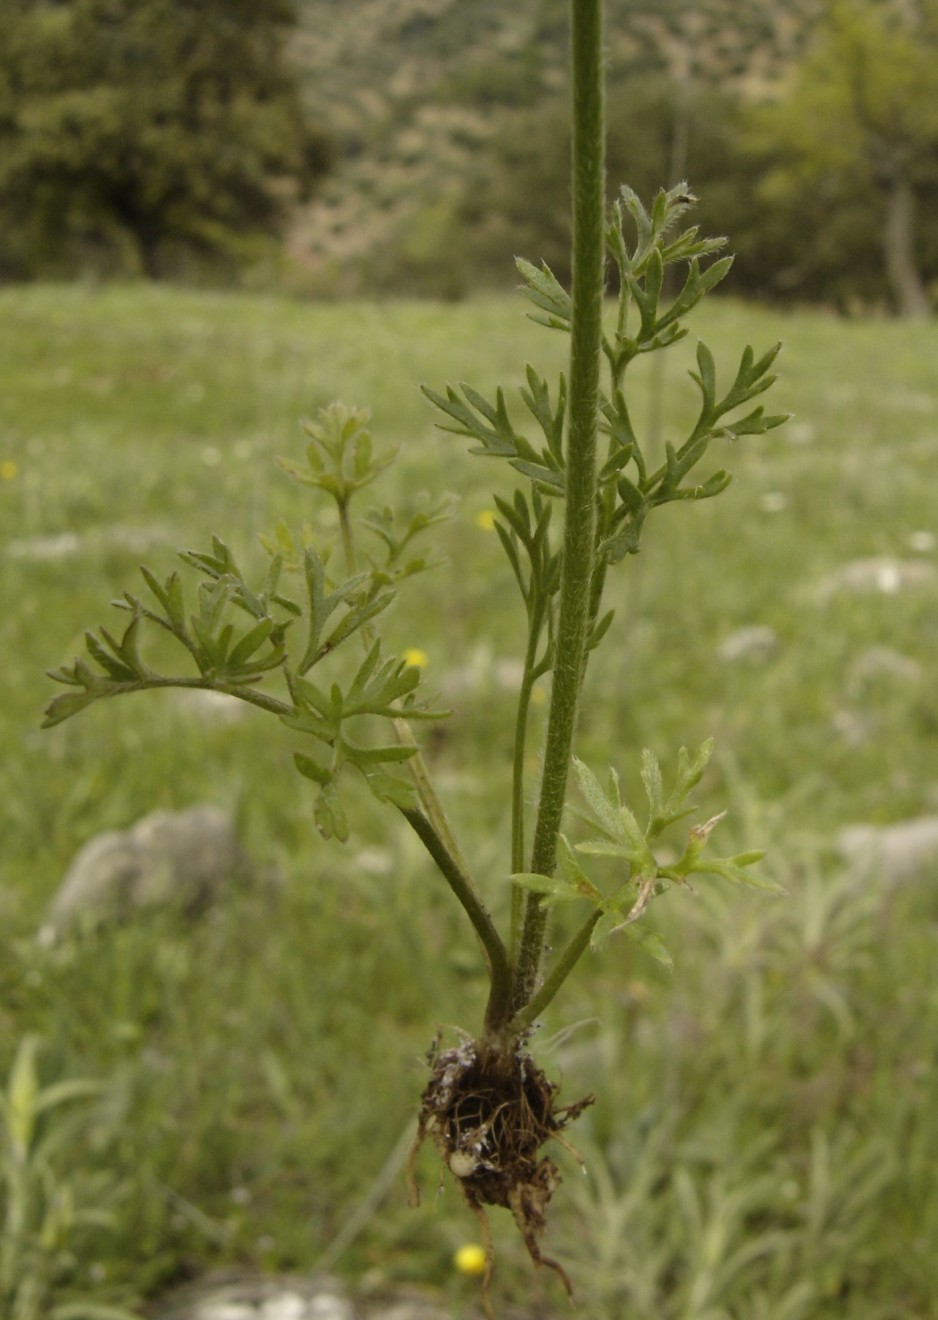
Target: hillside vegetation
x=413, y=91
x=416, y=147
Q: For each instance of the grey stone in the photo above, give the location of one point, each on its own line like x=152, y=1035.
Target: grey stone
x=225, y=1311
x=185, y=858
x=330, y=1306
x=755, y=642
x=890, y=853
x=317, y=1297
x=881, y=573
x=291, y=1306
x=59, y=546
x=410, y=1309
x=261, y=1297
x=875, y=663
x=62, y=545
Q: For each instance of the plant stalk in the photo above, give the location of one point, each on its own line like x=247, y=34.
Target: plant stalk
x=580, y=512
x=532, y=672
x=569, y=957
x=465, y=892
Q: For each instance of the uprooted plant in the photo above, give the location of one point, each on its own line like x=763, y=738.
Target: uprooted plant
x=289, y=650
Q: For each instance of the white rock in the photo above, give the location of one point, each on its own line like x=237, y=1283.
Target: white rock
x=330, y=1306
x=182, y=857
x=225, y=1311
x=66, y=545
x=61, y=546
x=755, y=642
x=892, y=853
x=921, y=542
x=285, y=1306
x=878, y=662
x=263, y=1297
x=411, y=1310
x=881, y=573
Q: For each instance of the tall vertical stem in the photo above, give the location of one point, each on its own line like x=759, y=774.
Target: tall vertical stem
x=580, y=510
x=529, y=678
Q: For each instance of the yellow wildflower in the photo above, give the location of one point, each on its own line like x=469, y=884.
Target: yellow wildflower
x=485, y=519
x=470, y=1259
x=8, y=470
x=414, y=656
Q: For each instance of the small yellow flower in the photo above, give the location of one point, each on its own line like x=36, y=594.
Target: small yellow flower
x=538, y=696
x=485, y=520
x=8, y=470
x=414, y=656
x=470, y=1259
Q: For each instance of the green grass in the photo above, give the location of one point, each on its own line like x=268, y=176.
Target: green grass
x=764, y=1141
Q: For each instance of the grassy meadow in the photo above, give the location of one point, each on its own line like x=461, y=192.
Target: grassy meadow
x=765, y=1138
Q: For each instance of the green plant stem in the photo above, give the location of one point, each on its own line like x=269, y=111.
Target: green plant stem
x=462, y=887
x=569, y=957
x=517, y=775
x=532, y=672
x=249, y=695
x=580, y=514
x=348, y=540
x=427, y=794
x=517, y=807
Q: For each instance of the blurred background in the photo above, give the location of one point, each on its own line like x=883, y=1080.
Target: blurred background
x=415, y=148
x=215, y=217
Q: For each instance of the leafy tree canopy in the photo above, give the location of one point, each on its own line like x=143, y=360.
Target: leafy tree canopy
x=829, y=187
x=135, y=134
x=858, y=132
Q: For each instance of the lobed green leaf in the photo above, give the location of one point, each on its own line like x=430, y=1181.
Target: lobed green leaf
x=546, y=292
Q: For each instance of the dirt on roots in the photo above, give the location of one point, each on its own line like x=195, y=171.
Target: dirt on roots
x=489, y=1111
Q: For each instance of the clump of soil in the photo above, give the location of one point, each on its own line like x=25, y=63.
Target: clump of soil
x=489, y=1112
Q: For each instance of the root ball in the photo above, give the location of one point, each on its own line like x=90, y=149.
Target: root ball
x=489, y=1112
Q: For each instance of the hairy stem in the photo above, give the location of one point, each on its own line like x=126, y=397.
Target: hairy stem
x=464, y=890
x=532, y=672
x=580, y=513
x=569, y=957
x=517, y=805
x=250, y=695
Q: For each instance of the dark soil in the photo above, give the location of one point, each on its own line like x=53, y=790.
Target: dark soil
x=489, y=1112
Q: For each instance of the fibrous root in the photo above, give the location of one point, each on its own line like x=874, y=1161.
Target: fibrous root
x=489, y=1111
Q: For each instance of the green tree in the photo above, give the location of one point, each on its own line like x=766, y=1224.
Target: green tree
x=858, y=132
x=136, y=134
x=658, y=131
